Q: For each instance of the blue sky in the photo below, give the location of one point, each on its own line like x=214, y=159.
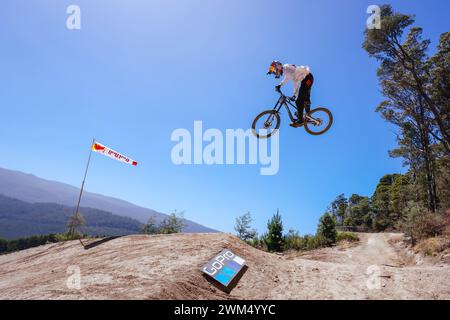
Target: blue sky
x=137, y=70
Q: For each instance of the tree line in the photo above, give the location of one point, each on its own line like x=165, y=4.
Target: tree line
x=416, y=88
x=173, y=223
x=275, y=240
x=392, y=207
x=7, y=246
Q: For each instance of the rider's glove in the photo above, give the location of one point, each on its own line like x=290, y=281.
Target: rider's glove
x=278, y=88
x=293, y=98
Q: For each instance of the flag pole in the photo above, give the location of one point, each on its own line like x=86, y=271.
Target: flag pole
x=82, y=184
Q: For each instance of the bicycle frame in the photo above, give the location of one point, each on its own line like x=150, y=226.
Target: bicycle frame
x=284, y=101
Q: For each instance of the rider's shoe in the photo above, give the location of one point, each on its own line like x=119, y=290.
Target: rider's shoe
x=297, y=123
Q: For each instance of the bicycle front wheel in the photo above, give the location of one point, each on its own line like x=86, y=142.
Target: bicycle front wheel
x=266, y=124
x=318, y=121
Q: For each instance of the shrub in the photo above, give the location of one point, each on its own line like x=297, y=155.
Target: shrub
x=256, y=242
x=293, y=241
x=419, y=223
x=316, y=242
x=347, y=236
x=433, y=246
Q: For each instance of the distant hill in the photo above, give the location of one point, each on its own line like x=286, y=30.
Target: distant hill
x=32, y=189
x=20, y=219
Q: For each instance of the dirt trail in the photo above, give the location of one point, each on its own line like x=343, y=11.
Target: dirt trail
x=168, y=267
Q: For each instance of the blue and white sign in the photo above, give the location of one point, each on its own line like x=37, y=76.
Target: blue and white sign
x=224, y=267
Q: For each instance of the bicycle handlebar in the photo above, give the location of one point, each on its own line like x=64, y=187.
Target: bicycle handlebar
x=281, y=93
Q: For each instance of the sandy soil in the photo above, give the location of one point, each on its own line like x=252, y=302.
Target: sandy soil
x=168, y=267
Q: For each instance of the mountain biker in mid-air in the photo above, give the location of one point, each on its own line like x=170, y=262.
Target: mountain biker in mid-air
x=297, y=74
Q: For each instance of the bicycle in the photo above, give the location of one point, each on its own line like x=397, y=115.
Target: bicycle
x=312, y=120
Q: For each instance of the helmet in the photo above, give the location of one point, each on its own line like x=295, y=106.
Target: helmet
x=276, y=68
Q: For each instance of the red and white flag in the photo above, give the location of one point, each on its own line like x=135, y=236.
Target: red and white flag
x=99, y=148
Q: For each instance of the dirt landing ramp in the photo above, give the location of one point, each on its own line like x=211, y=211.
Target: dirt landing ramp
x=168, y=267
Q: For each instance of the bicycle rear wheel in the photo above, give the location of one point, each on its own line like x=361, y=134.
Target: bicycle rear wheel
x=266, y=124
x=320, y=121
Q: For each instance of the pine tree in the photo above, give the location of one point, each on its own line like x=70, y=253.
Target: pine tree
x=417, y=91
x=327, y=229
x=174, y=223
x=243, y=227
x=274, y=238
x=405, y=72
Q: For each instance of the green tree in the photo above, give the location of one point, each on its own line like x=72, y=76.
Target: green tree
x=243, y=227
x=399, y=195
x=382, y=216
x=150, y=227
x=358, y=212
x=339, y=207
x=439, y=73
x=440, y=91
x=174, y=223
x=274, y=238
x=417, y=91
x=406, y=66
x=443, y=181
x=327, y=229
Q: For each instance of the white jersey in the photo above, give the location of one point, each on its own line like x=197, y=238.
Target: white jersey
x=294, y=73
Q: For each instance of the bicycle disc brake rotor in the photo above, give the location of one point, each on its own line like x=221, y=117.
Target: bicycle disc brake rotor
x=268, y=122
x=317, y=122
